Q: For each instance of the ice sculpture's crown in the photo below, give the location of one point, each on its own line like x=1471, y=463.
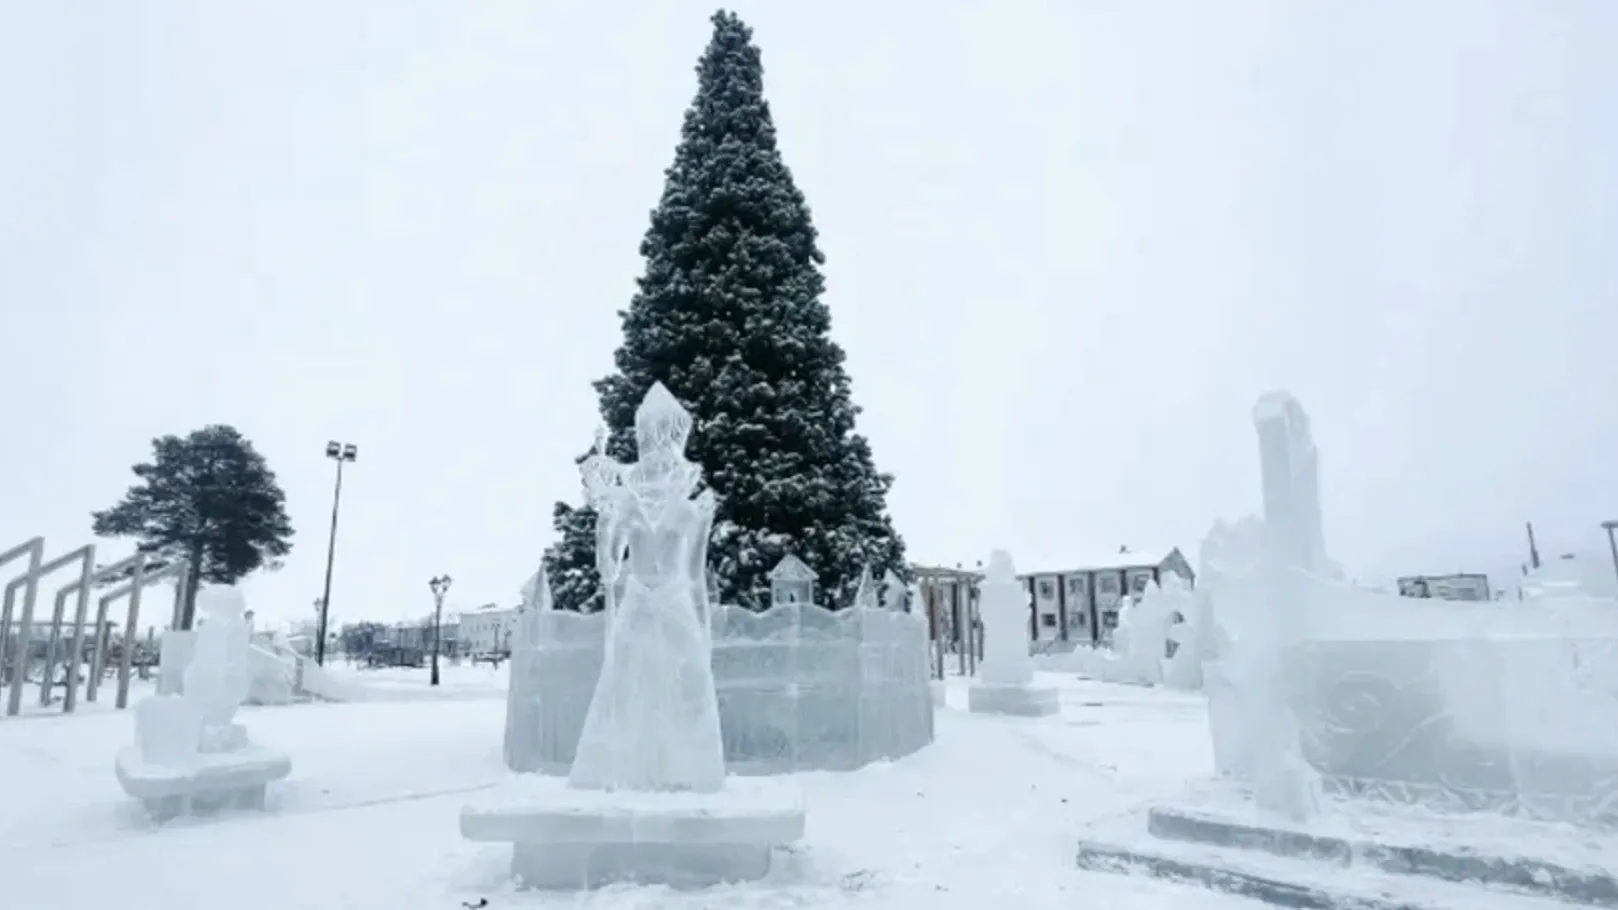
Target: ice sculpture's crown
x=661, y=423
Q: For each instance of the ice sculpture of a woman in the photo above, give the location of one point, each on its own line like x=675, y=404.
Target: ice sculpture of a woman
x=653, y=722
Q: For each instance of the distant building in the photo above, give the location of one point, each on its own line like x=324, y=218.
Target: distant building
x=419, y=635
x=1082, y=603
x=1460, y=586
x=1078, y=604
x=488, y=629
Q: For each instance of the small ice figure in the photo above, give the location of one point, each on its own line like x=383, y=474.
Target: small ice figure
x=1003, y=604
x=895, y=596
x=653, y=722
x=1149, y=620
x=218, y=678
x=866, y=596
x=1005, y=683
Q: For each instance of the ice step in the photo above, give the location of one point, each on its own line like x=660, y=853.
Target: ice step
x=1301, y=883
x=1433, y=856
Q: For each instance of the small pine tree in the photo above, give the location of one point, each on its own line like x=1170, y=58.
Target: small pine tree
x=210, y=498
x=729, y=317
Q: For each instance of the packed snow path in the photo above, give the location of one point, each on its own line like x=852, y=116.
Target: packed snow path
x=986, y=817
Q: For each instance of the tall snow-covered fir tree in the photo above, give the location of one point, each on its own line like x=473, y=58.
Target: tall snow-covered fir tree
x=728, y=315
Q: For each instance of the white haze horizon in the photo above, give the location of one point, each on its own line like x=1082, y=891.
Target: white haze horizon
x=1068, y=245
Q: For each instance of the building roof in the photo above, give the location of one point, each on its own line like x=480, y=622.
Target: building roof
x=791, y=568
x=943, y=571
x=1060, y=561
x=1092, y=559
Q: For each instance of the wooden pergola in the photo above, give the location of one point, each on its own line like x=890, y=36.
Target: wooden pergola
x=949, y=595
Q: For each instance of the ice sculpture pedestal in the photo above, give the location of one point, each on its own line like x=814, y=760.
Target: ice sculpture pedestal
x=210, y=782
x=179, y=766
x=566, y=838
x=1022, y=700
x=1354, y=854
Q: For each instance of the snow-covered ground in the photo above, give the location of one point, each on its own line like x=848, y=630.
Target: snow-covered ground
x=985, y=818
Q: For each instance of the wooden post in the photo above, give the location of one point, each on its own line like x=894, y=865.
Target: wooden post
x=974, y=629
x=935, y=625
x=1033, y=609
x=969, y=631
x=151, y=646
x=960, y=631
x=1061, y=608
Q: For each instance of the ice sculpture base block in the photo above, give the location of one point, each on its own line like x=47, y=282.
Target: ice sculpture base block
x=1355, y=853
x=565, y=839
x=1021, y=700
x=208, y=783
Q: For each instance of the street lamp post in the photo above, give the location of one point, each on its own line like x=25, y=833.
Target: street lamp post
x=338, y=452
x=439, y=586
x=1609, y=527
x=320, y=611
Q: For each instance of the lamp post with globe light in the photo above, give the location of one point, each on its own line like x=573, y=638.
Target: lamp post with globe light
x=439, y=585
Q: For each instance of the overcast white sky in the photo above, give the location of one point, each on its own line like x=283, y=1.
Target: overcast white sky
x=1069, y=243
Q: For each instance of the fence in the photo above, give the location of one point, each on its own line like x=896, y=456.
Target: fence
x=800, y=687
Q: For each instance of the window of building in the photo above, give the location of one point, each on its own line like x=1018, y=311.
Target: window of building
x=1109, y=619
x=1047, y=590
x=1075, y=588
x=1107, y=583
x=1048, y=620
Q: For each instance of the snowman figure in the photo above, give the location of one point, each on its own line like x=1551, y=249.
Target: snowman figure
x=217, y=680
